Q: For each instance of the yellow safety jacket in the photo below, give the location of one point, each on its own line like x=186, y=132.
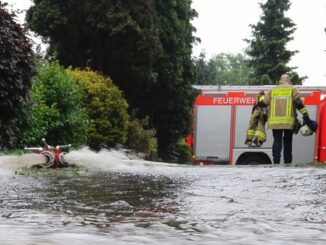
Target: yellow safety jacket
x=281, y=112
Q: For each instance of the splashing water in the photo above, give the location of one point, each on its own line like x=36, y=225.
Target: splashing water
x=103, y=160
x=108, y=160
x=14, y=162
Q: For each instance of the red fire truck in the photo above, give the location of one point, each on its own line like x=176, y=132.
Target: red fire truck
x=221, y=118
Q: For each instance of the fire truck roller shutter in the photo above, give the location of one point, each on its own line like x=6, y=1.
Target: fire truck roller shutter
x=212, y=132
x=304, y=147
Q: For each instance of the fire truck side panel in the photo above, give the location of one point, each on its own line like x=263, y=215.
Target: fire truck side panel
x=212, y=134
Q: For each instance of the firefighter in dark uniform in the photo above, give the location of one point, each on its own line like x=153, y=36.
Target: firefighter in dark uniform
x=282, y=102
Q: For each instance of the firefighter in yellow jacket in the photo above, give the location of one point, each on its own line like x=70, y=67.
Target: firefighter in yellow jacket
x=282, y=102
x=256, y=134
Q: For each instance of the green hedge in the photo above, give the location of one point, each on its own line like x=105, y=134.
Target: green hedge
x=56, y=113
x=106, y=109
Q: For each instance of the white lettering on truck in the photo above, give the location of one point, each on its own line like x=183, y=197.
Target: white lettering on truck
x=233, y=101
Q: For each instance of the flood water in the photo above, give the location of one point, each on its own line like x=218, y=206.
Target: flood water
x=120, y=201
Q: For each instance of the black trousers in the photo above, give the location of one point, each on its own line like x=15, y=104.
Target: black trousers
x=282, y=137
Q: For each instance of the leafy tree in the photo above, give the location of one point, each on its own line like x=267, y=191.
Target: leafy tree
x=106, y=109
x=203, y=75
x=17, y=68
x=230, y=69
x=223, y=69
x=56, y=113
x=116, y=37
x=172, y=96
x=144, y=46
x=267, y=48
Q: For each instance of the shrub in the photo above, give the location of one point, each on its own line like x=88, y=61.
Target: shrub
x=56, y=112
x=106, y=109
x=141, y=139
x=182, y=152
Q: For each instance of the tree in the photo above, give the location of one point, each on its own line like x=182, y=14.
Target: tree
x=267, y=48
x=222, y=69
x=144, y=46
x=203, y=74
x=230, y=69
x=17, y=68
x=115, y=37
x=172, y=96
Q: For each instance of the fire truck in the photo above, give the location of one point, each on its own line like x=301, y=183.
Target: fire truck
x=221, y=119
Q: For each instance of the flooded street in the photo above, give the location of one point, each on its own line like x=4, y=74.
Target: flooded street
x=131, y=202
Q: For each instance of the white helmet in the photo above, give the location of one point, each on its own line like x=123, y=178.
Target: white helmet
x=306, y=131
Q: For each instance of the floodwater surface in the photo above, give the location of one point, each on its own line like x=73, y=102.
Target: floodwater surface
x=115, y=200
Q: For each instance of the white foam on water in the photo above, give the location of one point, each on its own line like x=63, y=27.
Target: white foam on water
x=104, y=160
x=14, y=162
x=109, y=160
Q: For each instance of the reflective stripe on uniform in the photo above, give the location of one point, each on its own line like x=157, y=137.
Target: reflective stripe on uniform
x=281, y=92
x=260, y=134
x=281, y=120
x=303, y=110
x=250, y=132
x=288, y=106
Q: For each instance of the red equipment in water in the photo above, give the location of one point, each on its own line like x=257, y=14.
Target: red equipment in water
x=54, y=156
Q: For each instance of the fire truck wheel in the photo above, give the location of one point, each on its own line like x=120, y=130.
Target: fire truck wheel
x=254, y=160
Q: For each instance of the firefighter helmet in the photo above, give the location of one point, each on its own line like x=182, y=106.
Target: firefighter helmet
x=305, y=130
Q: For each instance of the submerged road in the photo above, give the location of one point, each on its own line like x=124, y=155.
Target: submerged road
x=160, y=204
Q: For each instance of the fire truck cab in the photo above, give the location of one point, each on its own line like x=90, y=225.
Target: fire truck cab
x=221, y=118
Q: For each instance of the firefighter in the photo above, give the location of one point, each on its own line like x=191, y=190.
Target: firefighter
x=283, y=101
x=256, y=131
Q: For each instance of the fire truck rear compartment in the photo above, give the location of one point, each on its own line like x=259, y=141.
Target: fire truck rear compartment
x=220, y=127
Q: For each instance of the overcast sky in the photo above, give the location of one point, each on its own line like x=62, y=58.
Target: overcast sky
x=223, y=24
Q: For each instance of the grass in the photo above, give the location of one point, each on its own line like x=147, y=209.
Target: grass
x=34, y=171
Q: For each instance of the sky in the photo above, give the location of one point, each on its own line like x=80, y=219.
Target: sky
x=222, y=26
